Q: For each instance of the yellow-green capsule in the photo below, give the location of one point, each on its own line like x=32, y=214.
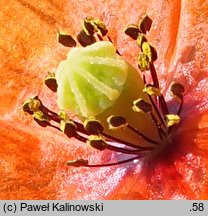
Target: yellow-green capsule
x=96, y=81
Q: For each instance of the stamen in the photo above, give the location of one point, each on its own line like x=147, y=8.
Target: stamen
x=112, y=43
x=145, y=24
x=125, y=150
x=151, y=90
x=66, y=40
x=99, y=143
x=78, y=163
x=85, y=39
x=93, y=126
x=143, y=62
x=84, y=163
x=41, y=118
x=116, y=122
x=31, y=105
x=140, y=105
x=141, y=39
x=96, y=142
x=91, y=26
x=163, y=105
x=142, y=135
x=132, y=31
x=68, y=127
x=177, y=91
x=88, y=27
x=181, y=105
x=154, y=76
x=172, y=119
x=50, y=81
x=114, y=139
x=99, y=37
x=157, y=111
x=161, y=132
x=150, y=51
x=80, y=138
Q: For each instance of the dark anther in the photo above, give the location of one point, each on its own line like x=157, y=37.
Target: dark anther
x=177, y=89
x=93, y=126
x=102, y=31
x=41, y=118
x=32, y=105
x=88, y=27
x=26, y=107
x=84, y=163
x=100, y=27
x=68, y=127
x=145, y=24
x=132, y=31
x=116, y=122
x=141, y=106
x=66, y=40
x=50, y=82
x=77, y=163
x=91, y=26
x=96, y=142
x=85, y=39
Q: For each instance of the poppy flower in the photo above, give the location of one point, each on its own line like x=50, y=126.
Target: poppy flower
x=33, y=159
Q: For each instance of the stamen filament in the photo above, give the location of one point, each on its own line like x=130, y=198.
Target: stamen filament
x=112, y=43
x=99, y=37
x=181, y=105
x=111, y=164
x=142, y=135
x=80, y=138
x=157, y=111
x=178, y=112
x=114, y=139
x=124, y=150
x=158, y=126
x=154, y=75
x=92, y=131
x=163, y=105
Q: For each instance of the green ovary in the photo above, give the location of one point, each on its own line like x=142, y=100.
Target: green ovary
x=91, y=79
x=96, y=81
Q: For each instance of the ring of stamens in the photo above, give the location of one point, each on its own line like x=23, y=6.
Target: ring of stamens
x=92, y=131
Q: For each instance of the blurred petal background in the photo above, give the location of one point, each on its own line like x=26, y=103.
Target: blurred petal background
x=32, y=159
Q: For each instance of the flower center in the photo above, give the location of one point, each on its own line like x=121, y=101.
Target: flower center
x=140, y=126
